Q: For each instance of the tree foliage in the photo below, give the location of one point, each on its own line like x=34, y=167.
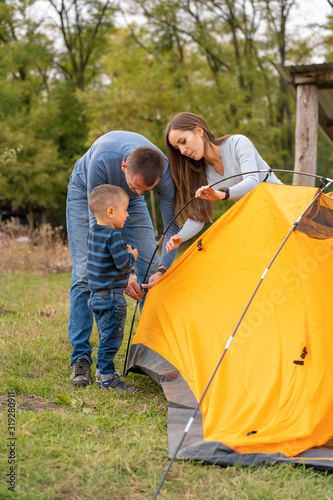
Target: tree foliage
x=79, y=68
x=83, y=27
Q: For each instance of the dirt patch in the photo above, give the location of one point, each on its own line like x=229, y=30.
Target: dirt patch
x=28, y=403
x=48, y=314
x=4, y=312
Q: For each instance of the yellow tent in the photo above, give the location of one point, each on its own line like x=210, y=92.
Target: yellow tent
x=271, y=398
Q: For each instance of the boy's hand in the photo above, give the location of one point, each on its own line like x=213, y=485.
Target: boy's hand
x=133, y=251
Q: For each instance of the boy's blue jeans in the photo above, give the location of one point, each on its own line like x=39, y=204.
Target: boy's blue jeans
x=138, y=232
x=109, y=308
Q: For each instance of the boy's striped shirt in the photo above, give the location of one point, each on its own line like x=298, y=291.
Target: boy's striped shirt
x=109, y=261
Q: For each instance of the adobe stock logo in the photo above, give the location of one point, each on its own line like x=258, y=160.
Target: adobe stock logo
x=261, y=310
x=11, y=441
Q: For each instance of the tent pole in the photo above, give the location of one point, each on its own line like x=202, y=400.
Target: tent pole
x=129, y=338
x=191, y=419
x=268, y=171
x=144, y=280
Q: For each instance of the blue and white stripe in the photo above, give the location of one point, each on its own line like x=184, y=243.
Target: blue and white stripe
x=108, y=262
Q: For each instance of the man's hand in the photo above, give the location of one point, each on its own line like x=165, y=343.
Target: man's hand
x=173, y=242
x=133, y=290
x=152, y=280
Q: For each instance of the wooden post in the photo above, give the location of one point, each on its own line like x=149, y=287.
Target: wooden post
x=153, y=211
x=306, y=134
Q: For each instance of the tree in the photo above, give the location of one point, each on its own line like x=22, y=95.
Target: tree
x=68, y=78
x=232, y=65
x=44, y=120
x=84, y=27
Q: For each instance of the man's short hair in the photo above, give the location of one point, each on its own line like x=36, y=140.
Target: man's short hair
x=148, y=162
x=104, y=196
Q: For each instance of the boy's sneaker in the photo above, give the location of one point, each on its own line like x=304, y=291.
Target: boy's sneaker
x=116, y=384
x=81, y=373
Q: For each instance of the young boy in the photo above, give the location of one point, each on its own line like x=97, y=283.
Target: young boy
x=108, y=266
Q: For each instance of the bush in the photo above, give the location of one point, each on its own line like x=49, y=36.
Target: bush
x=42, y=250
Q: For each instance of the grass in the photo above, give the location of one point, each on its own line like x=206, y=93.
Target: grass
x=84, y=443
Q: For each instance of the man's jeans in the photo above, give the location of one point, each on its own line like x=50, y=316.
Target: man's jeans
x=138, y=232
x=109, y=308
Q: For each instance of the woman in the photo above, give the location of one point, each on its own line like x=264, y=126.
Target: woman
x=198, y=159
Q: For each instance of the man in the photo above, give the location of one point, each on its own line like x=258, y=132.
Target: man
x=130, y=161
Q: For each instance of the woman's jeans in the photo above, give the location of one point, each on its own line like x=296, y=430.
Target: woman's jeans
x=109, y=309
x=138, y=232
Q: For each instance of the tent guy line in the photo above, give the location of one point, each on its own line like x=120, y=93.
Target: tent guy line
x=326, y=183
x=268, y=171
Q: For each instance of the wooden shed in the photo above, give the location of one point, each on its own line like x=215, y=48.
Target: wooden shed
x=311, y=85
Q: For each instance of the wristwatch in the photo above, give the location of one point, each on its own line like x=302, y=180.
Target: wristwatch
x=227, y=192
x=161, y=270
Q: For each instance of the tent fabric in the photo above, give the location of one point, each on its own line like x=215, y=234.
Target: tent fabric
x=271, y=399
x=318, y=221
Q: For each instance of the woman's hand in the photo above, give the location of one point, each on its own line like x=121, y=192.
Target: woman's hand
x=209, y=193
x=173, y=242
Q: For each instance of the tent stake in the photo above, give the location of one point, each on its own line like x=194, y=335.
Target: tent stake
x=327, y=182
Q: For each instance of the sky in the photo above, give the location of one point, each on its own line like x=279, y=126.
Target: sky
x=311, y=10
x=308, y=11
x=315, y=11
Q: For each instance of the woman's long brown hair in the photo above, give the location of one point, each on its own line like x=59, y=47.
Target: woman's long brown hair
x=188, y=174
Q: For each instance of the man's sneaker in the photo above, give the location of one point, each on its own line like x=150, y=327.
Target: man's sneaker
x=81, y=373
x=98, y=381
x=116, y=384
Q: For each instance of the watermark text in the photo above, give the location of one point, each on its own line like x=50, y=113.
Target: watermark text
x=11, y=442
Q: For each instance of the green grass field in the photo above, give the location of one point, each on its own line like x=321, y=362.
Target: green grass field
x=90, y=444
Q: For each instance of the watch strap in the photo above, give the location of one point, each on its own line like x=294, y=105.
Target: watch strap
x=227, y=192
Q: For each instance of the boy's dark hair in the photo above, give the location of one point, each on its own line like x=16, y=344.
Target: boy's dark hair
x=104, y=196
x=148, y=162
